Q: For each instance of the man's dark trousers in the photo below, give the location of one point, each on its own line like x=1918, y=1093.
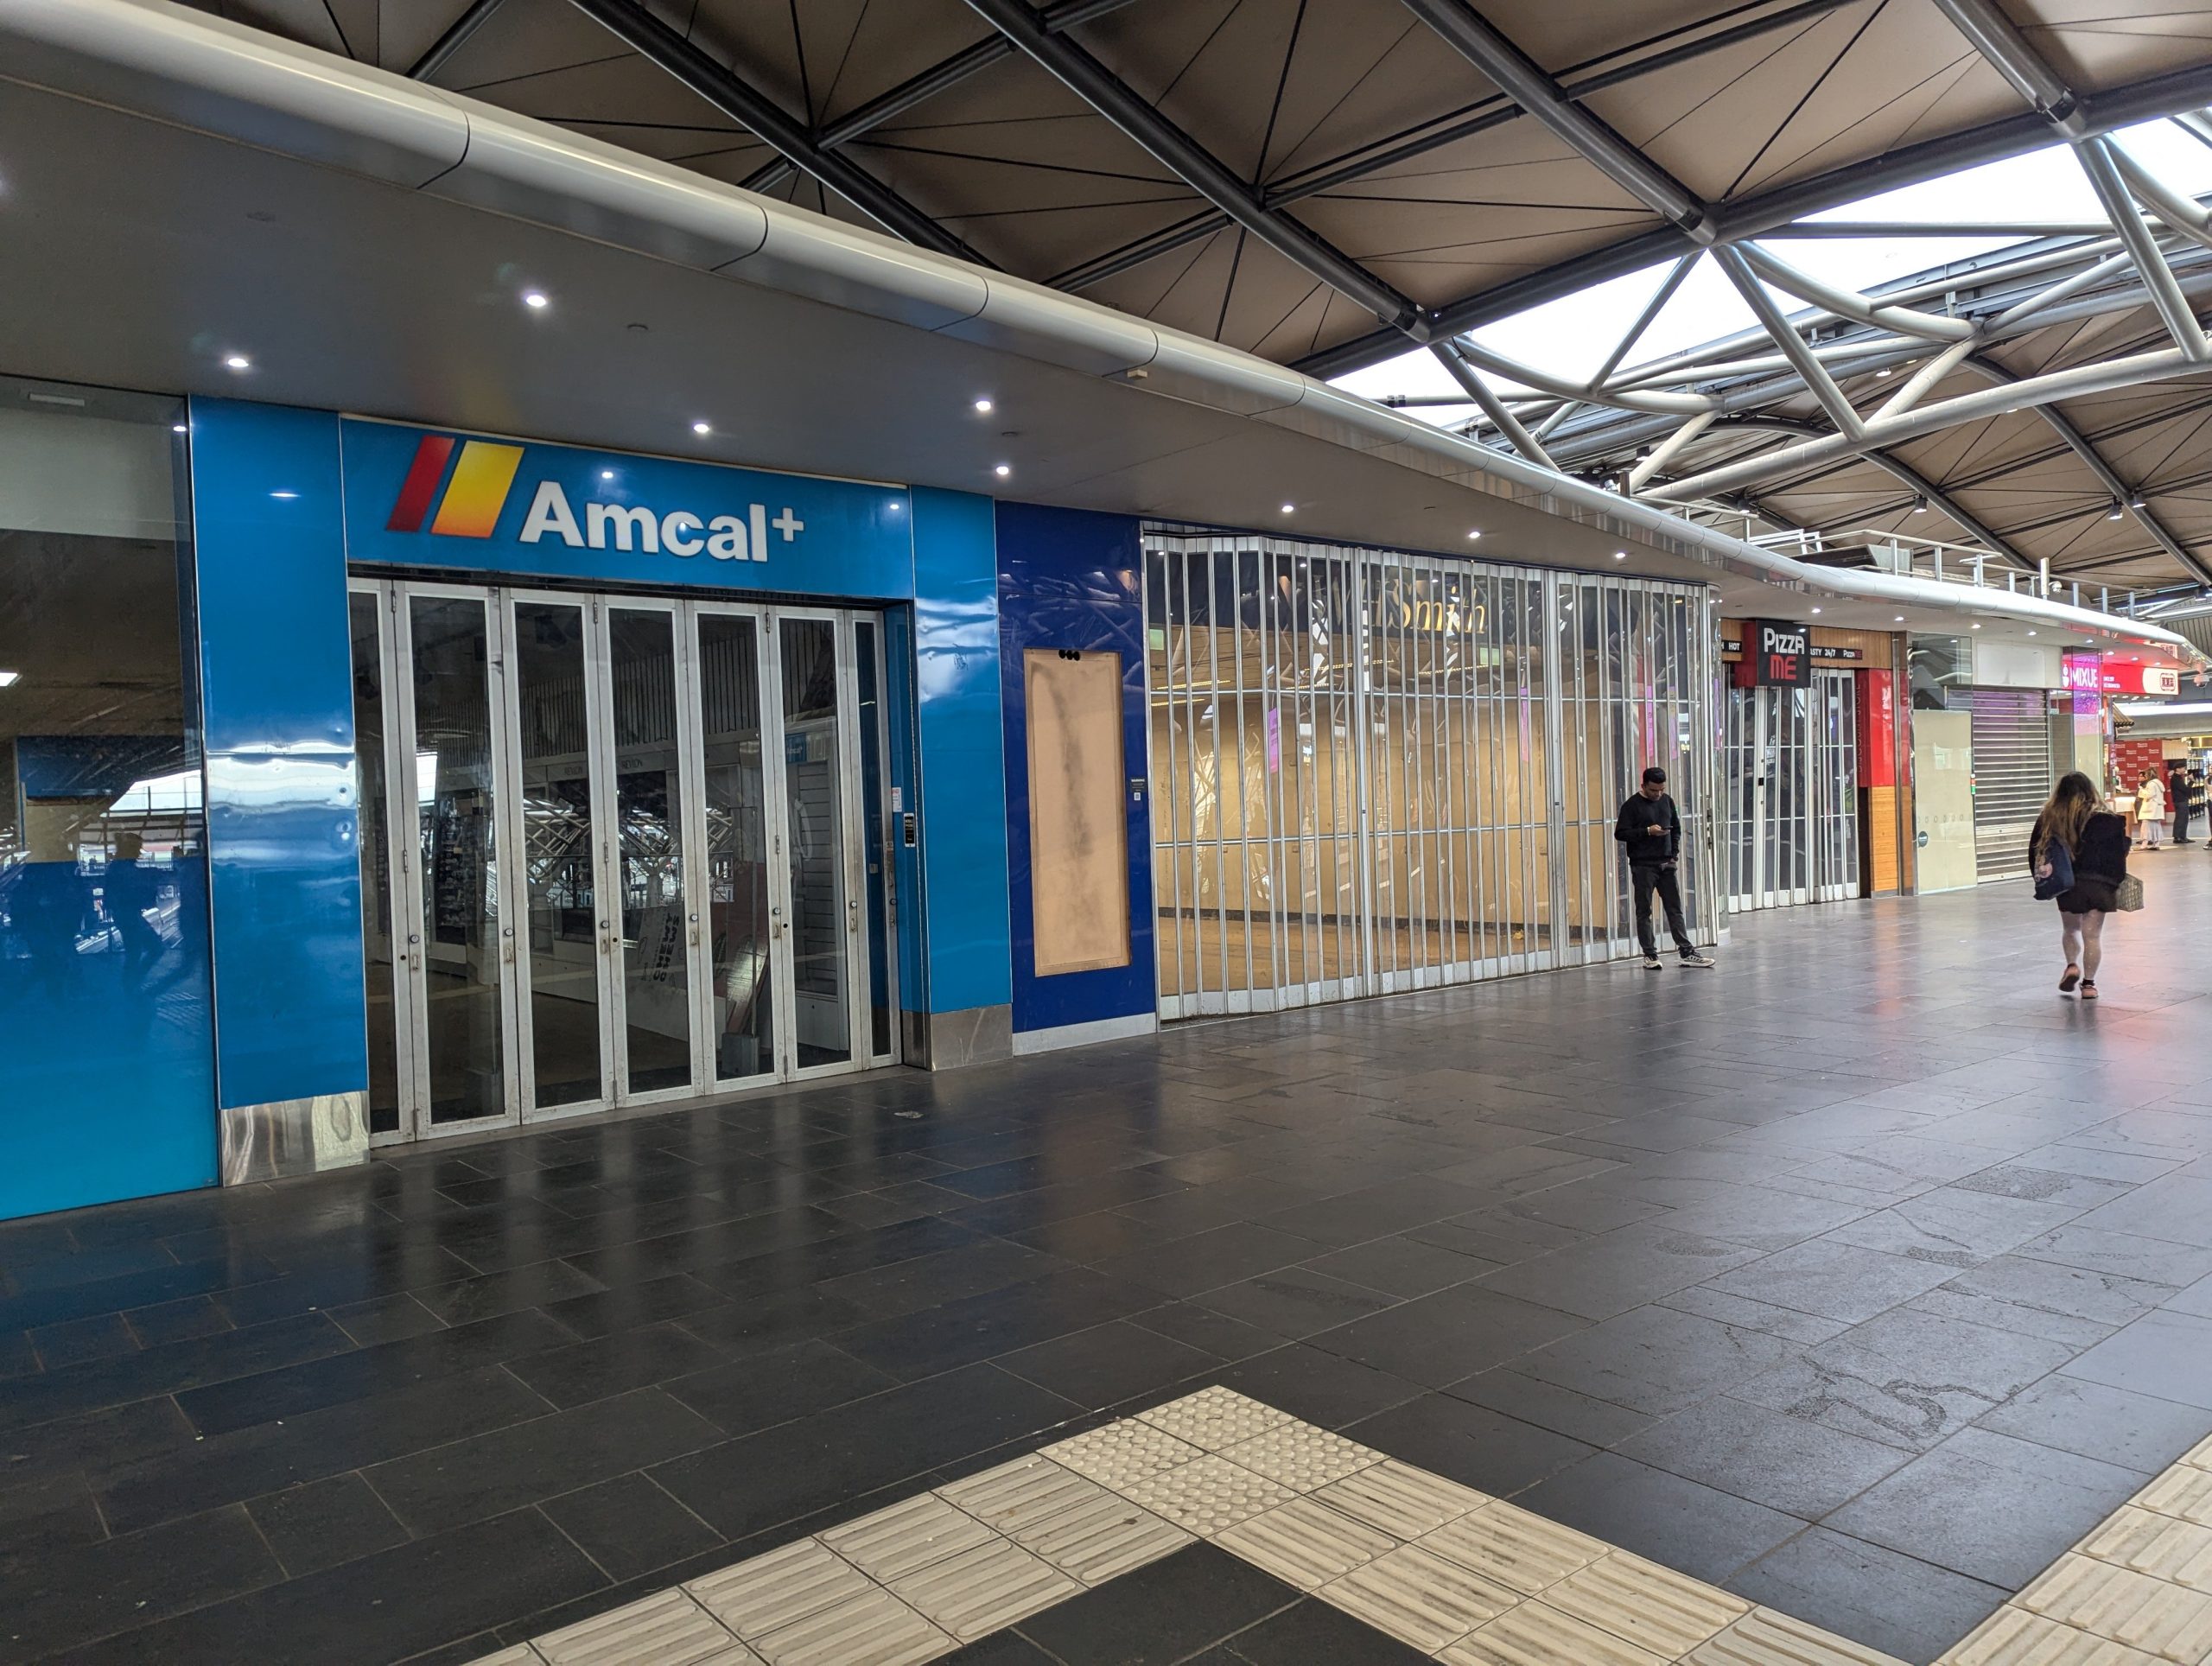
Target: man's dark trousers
x=1650, y=876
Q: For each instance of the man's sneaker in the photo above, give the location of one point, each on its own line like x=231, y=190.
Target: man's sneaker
x=1652, y=963
x=1697, y=960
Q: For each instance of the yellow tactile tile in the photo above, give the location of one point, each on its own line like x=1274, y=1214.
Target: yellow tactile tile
x=668, y=1629
x=1536, y=1635
x=1404, y=1502
x=1515, y=1546
x=2184, y=1490
x=780, y=1588
x=1419, y=1597
x=1304, y=1543
x=1019, y=1495
x=1302, y=1457
x=2163, y=1547
x=1651, y=1607
x=1763, y=1638
x=1119, y=1453
x=872, y=1630
x=985, y=1589
x=2014, y=1636
x=2119, y=1603
x=907, y=1537
x=1214, y=1418
x=1102, y=1538
x=1207, y=1496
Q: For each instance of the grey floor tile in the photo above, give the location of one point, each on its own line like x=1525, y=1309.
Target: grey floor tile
x=1620, y=1270
x=1889, y=1601
x=2165, y=1354
x=1835, y=1280
x=1770, y=1458
x=1680, y=1524
x=1657, y=1360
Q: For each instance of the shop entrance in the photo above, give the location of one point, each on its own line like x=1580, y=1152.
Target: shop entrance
x=615, y=850
x=1791, y=773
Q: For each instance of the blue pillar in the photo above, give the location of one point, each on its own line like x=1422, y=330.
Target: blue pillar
x=282, y=828
x=964, y=1013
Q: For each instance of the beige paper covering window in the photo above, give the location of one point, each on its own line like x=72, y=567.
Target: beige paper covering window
x=1079, y=834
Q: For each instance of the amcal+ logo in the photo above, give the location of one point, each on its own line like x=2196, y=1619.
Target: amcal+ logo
x=485, y=475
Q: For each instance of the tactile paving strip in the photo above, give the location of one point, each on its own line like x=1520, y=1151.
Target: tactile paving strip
x=1214, y=1418
x=1207, y=1495
x=759, y=1596
x=2014, y=1636
x=1763, y=1638
x=1017, y=1496
x=985, y=1589
x=1466, y=1578
x=873, y=1630
x=1418, y=1597
x=907, y=1537
x=2162, y=1546
x=1304, y=1544
x=1102, y=1538
x=669, y=1630
x=1404, y=1502
x=1533, y=1635
x=1642, y=1602
x=1302, y=1457
x=1514, y=1548
x=1122, y=1452
x=2125, y=1606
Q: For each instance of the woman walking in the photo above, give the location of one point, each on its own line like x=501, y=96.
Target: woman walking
x=2095, y=842
x=2150, y=809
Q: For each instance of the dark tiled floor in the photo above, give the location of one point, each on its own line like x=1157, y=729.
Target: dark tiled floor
x=1861, y=1275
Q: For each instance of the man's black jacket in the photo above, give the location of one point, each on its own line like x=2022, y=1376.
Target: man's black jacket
x=1639, y=813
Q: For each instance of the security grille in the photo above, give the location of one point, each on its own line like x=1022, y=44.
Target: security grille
x=2011, y=777
x=1377, y=772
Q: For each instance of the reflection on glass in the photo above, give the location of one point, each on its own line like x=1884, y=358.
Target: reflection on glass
x=737, y=847
x=874, y=856
x=105, y=1034
x=649, y=843
x=374, y=797
x=558, y=882
x=820, y=975
x=462, y=969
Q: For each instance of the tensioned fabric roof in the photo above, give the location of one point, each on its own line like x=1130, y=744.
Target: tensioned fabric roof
x=1330, y=183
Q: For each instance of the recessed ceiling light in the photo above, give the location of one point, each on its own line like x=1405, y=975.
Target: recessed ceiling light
x=1620, y=554
x=1977, y=627
x=8, y=678
x=1816, y=610
x=535, y=300
x=286, y=496
x=701, y=428
x=238, y=361
x=983, y=407
x=606, y=473
x=176, y=428
x=2031, y=632
x=1288, y=507
x=1883, y=373
x=1476, y=533
x=1003, y=470
x=1900, y=620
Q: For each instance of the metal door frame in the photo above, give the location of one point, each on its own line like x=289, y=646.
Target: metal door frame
x=395, y=649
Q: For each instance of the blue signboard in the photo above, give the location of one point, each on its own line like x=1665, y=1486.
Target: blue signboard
x=431, y=497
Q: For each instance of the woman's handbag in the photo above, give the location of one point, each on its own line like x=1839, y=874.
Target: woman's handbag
x=2128, y=895
x=2060, y=879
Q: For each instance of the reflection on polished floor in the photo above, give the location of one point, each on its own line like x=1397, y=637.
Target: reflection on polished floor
x=1859, y=1280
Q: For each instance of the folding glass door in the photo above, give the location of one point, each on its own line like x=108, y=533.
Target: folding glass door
x=613, y=850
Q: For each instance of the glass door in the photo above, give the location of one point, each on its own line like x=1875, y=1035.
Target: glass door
x=641, y=851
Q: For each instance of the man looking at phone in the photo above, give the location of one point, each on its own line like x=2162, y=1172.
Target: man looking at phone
x=1650, y=828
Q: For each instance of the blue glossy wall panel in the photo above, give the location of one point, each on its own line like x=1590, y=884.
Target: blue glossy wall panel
x=906, y=860
x=108, y=1026
x=962, y=770
x=276, y=691
x=1068, y=578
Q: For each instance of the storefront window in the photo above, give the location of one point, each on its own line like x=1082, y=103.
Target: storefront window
x=1938, y=667
x=108, y=1089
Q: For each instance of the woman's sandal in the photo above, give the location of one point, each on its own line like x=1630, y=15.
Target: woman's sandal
x=2089, y=990
x=2073, y=977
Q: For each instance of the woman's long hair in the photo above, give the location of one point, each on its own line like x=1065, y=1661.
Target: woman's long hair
x=2072, y=802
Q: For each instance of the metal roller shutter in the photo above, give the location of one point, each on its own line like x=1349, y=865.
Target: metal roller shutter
x=2011, y=777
